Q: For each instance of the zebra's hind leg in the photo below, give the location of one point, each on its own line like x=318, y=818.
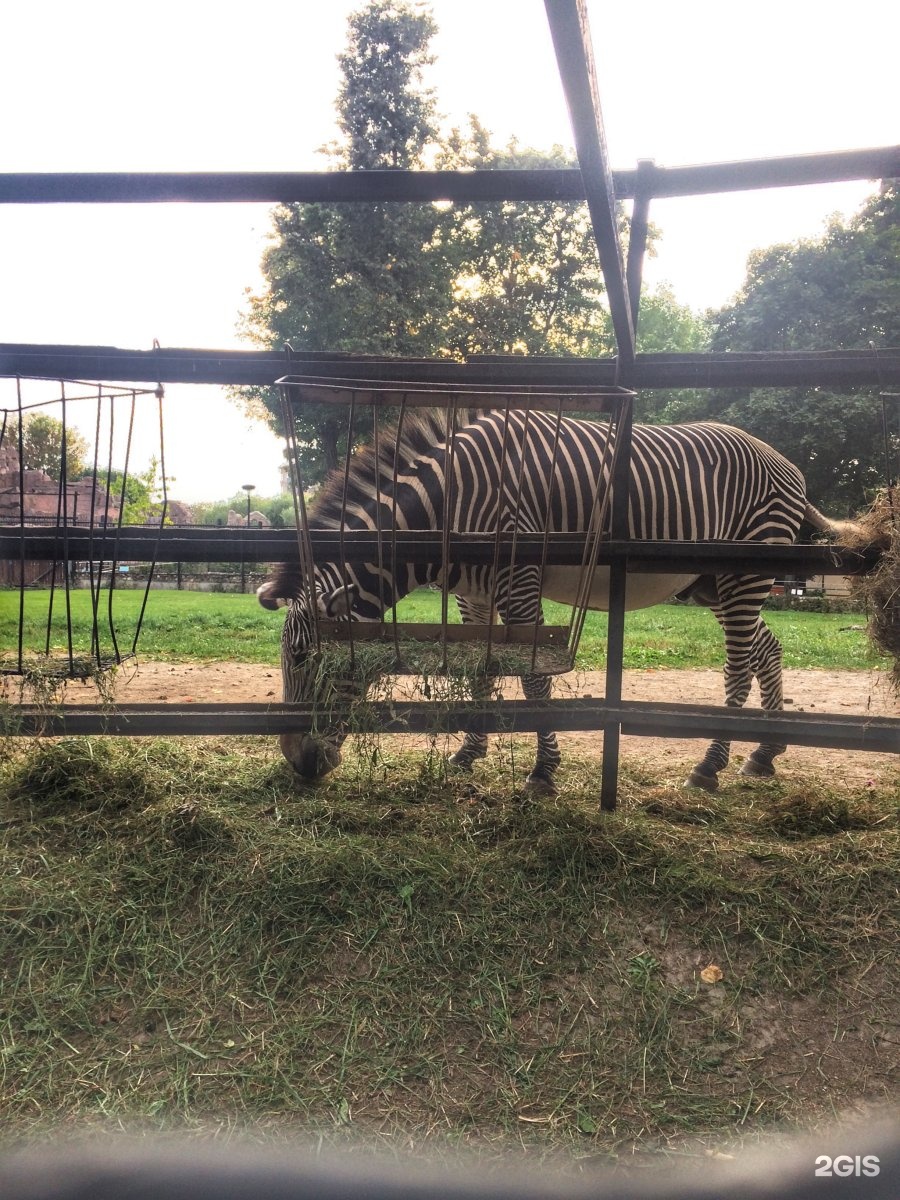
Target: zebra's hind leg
x=740, y=599
x=766, y=666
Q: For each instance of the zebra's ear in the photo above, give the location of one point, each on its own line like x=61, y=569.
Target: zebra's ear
x=339, y=603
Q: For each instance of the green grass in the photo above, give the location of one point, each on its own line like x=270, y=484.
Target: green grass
x=192, y=941
x=208, y=626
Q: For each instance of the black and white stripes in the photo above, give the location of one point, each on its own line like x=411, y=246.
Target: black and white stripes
x=529, y=470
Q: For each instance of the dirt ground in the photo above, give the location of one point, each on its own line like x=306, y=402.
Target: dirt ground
x=805, y=691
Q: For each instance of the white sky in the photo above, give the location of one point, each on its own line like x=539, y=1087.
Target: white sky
x=197, y=85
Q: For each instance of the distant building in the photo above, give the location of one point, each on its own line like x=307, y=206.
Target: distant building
x=34, y=498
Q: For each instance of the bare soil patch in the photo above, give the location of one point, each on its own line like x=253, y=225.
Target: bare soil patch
x=805, y=691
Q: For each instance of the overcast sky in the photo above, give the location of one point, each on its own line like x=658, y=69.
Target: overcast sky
x=103, y=86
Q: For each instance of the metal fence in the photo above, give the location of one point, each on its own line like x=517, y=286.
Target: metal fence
x=594, y=182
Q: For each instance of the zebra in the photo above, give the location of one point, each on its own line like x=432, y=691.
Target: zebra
x=692, y=482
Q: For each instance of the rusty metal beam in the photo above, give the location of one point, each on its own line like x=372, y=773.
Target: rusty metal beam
x=812, y=368
x=841, y=731
x=570, y=32
x=179, y=544
x=334, y=187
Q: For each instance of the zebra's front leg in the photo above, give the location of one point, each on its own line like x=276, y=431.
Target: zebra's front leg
x=541, y=782
x=481, y=686
x=737, y=611
x=520, y=604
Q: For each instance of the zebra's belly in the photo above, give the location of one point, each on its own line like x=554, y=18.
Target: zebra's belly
x=641, y=591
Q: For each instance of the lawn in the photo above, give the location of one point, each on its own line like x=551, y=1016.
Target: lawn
x=193, y=942
x=207, y=626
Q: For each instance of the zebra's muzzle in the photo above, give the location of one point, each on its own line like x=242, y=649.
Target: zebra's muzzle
x=311, y=759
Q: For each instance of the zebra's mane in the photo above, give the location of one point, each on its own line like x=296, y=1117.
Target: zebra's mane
x=424, y=430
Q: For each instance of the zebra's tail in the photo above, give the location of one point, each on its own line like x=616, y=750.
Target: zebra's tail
x=873, y=529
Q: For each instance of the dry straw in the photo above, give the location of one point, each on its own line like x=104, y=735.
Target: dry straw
x=880, y=588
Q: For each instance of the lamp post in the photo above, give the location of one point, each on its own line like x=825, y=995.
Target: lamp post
x=248, y=488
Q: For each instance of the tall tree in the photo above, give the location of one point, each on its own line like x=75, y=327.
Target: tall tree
x=42, y=446
x=835, y=292
x=361, y=277
x=427, y=279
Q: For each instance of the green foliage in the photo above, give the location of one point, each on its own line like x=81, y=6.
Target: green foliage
x=359, y=277
x=385, y=112
x=526, y=278
x=141, y=492
x=665, y=326
x=839, y=291
x=42, y=446
x=279, y=509
x=419, y=279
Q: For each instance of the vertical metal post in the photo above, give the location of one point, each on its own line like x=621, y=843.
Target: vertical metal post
x=615, y=643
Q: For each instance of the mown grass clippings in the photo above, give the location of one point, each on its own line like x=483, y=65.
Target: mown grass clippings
x=806, y=812
x=193, y=941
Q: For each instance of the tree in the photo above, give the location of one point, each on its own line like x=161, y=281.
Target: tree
x=140, y=492
x=526, y=277
x=278, y=509
x=419, y=279
x=665, y=326
x=428, y=279
x=42, y=446
x=360, y=277
x=838, y=291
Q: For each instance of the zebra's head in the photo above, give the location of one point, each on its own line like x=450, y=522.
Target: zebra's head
x=312, y=757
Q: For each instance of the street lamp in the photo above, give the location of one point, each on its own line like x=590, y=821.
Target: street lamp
x=248, y=488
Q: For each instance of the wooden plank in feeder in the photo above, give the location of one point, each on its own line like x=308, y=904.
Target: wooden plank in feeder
x=427, y=631
x=515, y=649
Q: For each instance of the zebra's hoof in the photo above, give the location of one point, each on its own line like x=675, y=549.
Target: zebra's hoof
x=759, y=770
x=537, y=787
x=699, y=779
x=462, y=762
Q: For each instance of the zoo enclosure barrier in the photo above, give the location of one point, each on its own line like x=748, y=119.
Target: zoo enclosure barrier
x=594, y=182
x=612, y=715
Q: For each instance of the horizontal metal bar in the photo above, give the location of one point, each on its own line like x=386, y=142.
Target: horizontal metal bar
x=642, y=718
x=178, y=544
x=844, y=368
x=562, y=185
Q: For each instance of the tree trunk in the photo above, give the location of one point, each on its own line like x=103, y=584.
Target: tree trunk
x=330, y=434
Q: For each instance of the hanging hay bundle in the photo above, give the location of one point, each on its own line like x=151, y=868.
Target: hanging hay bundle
x=880, y=588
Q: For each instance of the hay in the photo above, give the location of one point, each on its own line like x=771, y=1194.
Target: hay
x=879, y=590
